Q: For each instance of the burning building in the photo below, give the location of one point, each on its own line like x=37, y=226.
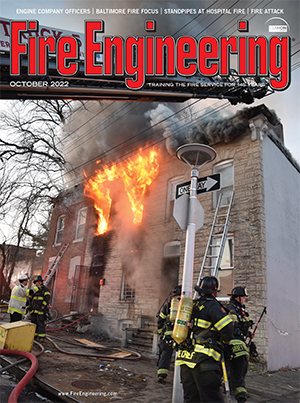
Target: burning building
x=123, y=248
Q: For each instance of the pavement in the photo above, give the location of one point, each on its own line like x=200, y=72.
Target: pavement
x=267, y=387
x=274, y=387
x=90, y=379
x=28, y=395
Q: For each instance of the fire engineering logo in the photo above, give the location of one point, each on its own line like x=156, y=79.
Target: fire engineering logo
x=136, y=58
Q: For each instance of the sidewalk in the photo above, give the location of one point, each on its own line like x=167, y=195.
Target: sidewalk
x=275, y=387
x=280, y=386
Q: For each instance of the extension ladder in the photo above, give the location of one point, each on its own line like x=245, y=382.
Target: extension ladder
x=217, y=239
x=54, y=266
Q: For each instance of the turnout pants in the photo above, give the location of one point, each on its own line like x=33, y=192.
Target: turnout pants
x=15, y=317
x=39, y=321
x=165, y=357
x=238, y=371
x=201, y=386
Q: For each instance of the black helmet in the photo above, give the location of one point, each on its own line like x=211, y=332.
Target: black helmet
x=238, y=292
x=208, y=285
x=38, y=278
x=177, y=290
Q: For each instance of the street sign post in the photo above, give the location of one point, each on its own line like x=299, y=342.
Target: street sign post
x=180, y=212
x=204, y=185
x=195, y=155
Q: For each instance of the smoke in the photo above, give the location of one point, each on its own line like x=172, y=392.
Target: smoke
x=101, y=132
x=209, y=129
x=170, y=124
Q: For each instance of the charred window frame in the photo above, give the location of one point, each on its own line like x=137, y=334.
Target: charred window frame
x=127, y=293
x=80, y=225
x=172, y=183
x=170, y=268
x=226, y=170
x=59, y=229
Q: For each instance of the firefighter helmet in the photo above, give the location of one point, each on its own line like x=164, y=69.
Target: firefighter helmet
x=38, y=278
x=23, y=277
x=238, y=292
x=208, y=285
x=177, y=290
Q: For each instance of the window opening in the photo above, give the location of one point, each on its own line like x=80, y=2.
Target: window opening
x=225, y=273
x=60, y=229
x=171, y=194
x=227, y=181
x=81, y=220
x=127, y=293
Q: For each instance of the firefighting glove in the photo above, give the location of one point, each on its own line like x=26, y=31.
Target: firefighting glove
x=253, y=350
x=48, y=315
x=168, y=339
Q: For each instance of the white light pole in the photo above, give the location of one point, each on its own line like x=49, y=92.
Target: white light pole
x=195, y=155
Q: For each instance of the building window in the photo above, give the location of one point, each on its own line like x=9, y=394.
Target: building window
x=80, y=226
x=227, y=180
x=170, y=268
x=127, y=293
x=225, y=274
x=172, y=193
x=60, y=229
x=172, y=249
x=125, y=324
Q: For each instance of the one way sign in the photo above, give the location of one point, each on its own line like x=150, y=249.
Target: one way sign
x=204, y=185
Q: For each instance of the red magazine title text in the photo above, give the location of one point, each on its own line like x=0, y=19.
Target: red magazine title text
x=138, y=57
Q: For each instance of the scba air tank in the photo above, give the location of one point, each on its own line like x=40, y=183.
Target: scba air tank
x=182, y=320
x=174, y=308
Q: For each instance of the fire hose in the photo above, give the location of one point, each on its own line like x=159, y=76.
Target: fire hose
x=70, y=324
x=57, y=319
x=137, y=356
x=23, y=359
x=13, y=398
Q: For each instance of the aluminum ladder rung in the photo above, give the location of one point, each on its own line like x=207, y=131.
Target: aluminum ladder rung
x=221, y=236
x=52, y=269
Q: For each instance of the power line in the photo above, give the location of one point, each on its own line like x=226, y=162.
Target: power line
x=114, y=101
x=184, y=126
x=75, y=144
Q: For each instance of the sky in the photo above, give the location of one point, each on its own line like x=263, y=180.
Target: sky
x=222, y=21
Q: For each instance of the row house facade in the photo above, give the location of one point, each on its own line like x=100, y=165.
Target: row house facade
x=124, y=275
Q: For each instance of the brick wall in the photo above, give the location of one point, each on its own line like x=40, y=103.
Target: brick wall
x=69, y=204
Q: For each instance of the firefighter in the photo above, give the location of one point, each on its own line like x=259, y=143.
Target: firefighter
x=39, y=307
x=165, y=330
x=237, y=355
x=18, y=298
x=199, y=356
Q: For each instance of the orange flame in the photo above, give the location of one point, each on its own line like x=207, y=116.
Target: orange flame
x=136, y=174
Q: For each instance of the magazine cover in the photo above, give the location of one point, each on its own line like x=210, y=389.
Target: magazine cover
x=150, y=197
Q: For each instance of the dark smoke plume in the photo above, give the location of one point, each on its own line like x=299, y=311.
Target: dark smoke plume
x=207, y=131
